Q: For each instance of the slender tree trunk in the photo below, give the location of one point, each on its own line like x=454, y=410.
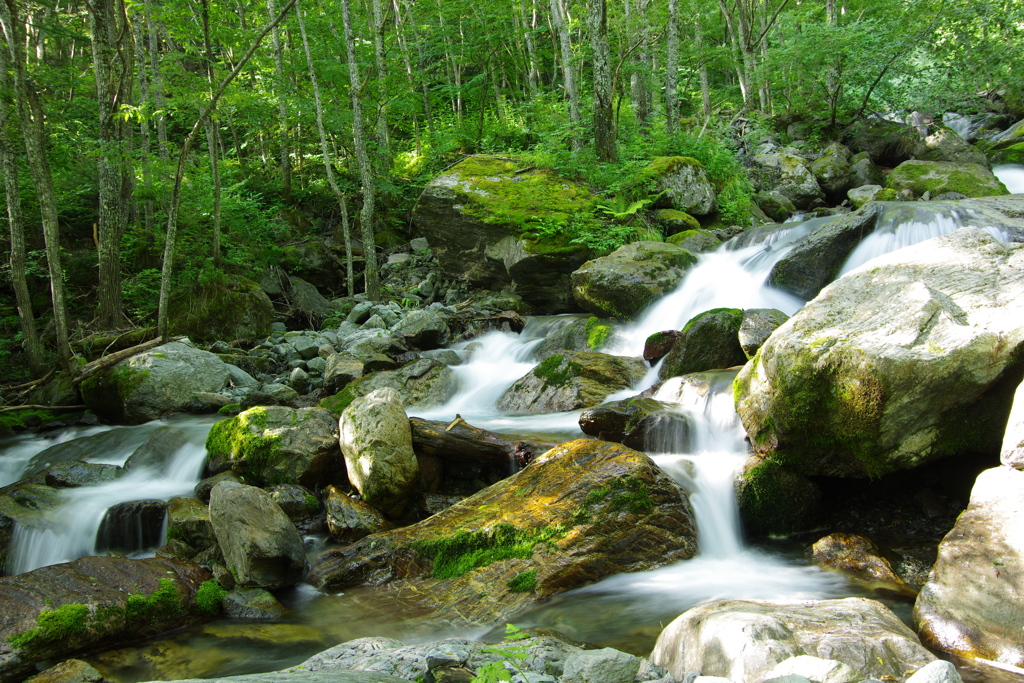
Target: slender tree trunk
x=558, y=18
x=30, y=115
x=734, y=39
x=15, y=220
x=640, y=78
x=172, y=208
x=325, y=152
x=383, y=143
x=604, y=131
x=282, y=107
x=702, y=70
x=428, y=113
x=672, y=70
x=529, y=23
x=145, y=137
x=370, y=273
x=211, y=139
x=403, y=46
x=152, y=29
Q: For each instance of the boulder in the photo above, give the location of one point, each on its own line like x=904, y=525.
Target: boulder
x=775, y=205
x=424, y=382
x=696, y=241
x=970, y=606
x=301, y=506
x=579, y=512
x=349, y=519
x=253, y=603
x=744, y=640
x=427, y=328
x=659, y=344
x=806, y=668
x=860, y=559
x=485, y=218
x=159, y=448
x=341, y=369
x=758, y=324
x=118, y=439
x=261, y=546
x=306, y=306
x=684, y=185
x=630, y=420
x=859, y=196
x=68, y=671
x=945, y=145
x=1012, y=452
x=274, y=445
x=1008, y=146
x=887, y=142
x=709, y=341
x=673, y=222
x=863, y=171
x=910, y=358
x=624, y=282
x=832, y=170
x=376, y=439
x=789, y=175
x=816, y=259
x=24, y=505
x=188, y=521
x=571, y=380
x=229, y=307
x=775, y=500
x=939, y=177
x=75, y=473
x=55, y=612
x=154, y=383
x=132, y=527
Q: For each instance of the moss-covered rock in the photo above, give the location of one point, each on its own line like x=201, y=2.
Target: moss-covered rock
x=673, y=221
x=571, y=380
x=788, y=174
x=775, y=500
x=424, y=382
x=938, y=177
x=579, y=512
x=683, y=183
x=489, y=221
x=697, y=241
x=775, y=205
x=709, y=341
x=624, y=282
x=945, y=145
x=271, y=445
x=228, y=308
x=909, y=360
x=832, y=170
x=24, y=505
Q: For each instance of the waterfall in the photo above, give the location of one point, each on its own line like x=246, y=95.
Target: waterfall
x=1011, y=175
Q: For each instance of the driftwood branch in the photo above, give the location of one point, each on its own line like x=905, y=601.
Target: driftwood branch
x=459, y=441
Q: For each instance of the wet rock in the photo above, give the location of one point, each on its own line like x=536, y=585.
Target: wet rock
x=709, y=341
x=425, y=329
x=82, y=448
x=75, y=473
x=423, y=382
x=600, y=666
x=581, y=511
x=1012, y=452
x=860, y=559
x=571, y=380
x=68, y=671
x=349, y=519
x=24, y=505
x=376, y=440
x=203, y=488
x=301, y=506
x=758, y=324
x=788, y=174
x=969, y=607
x=156, y=452
x=260, y=544
x=745, y=639
x=684, y=183
x=832, y=170
x=341, y=369
x=253, y=603
x=697, y=241
x=154, y=383
x=188, y=521
x=859, y=196
x=131, y=527
x=631, y=420
x=54, y=612
x=624, y=282
x=275, y=445
x=775, y=500
x=659, y=344
x=937, y=177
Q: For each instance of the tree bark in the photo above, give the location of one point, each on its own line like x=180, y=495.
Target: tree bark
x=529, y=23
x=702, y=70
x=558, y=18
x=30, y=115
x=672, y=70
x=604, y=132
x=372, y=277
x=383, y=142
x=460, y=441
x=282, y=107
x=325, y=152
x=640, y=78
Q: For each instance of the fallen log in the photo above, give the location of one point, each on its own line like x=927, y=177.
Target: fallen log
x=460, y=441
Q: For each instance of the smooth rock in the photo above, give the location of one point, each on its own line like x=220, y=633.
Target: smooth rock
x=600, y=666
x=570, y=381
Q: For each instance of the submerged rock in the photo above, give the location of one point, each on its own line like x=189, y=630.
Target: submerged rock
x=579, y=512
x=744, y=640
x=571, y=380
x=860, y=559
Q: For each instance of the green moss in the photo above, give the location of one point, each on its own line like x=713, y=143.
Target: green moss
x=887, y=195
x=597, y=333
x=242, y=438
x=938, y=178
x=465, y=551
x=165, y=602
x=624, y=493
x=210, y=596
x=63, y=623
x=230, y=409
x=18, y=420
x=556, y=371
x=525, y=582
x=776, y=501
x=312, y=504
x=337, y=403
x=735, y=314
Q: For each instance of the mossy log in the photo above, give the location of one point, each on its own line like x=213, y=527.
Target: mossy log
x=460, y=441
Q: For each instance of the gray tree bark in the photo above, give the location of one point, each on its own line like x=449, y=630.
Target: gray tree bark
x=604, y=130
x=672, y=70
x=282, y=107
x=558, y=19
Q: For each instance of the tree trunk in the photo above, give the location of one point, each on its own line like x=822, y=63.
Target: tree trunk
x=702, y=70
x=640, y=78
x=529, y=22
x=282, y=108
x=604, y=131
x=672, y=70
x=172, y=208
x=212, y=146
x=383, y=143
x=112, y=67
x=370, y=273
x=145, y=137
x=328, y=165
x=30, y=115
x=26, y=319
x=558, y=18
x=423, y=69
x=152, y=28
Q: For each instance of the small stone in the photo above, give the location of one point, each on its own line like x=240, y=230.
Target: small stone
x=419, y=244
x=253, y=603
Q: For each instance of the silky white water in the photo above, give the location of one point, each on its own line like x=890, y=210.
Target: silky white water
x=1011, y=175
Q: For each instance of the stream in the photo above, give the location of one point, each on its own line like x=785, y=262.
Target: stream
x=626, y=611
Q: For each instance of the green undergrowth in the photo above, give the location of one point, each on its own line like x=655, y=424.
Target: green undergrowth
x=19, y=420
x=525, y=582
x=457, y=555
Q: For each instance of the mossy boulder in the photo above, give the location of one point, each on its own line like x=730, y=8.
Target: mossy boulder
x=227, y=308
x=673, y=221
x=787, y=173
x=683, y=183
x=570, y=381
x=1007, y=144
x=939, y=177
x=579, y=512
x=758, y=324
x=58, y=611
x=271, y=445
x=816, y=259
x=945, y=145
x=889, y=143
x=697, y=241
x=631, y=420
x=709, y=341
x=154, y=383
x=832, y=170
x=487, y=221
x=775, y=500
x=775, y=205
x=1014, y=154
x=623, y=283
x=910, y=358
x=859, y=196
x=424, y=382
x=188, y=521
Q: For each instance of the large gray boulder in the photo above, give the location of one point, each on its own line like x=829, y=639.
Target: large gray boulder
x=910, y=358
x=227, y=308
x=261, y=546
x=571, y=380
x=377, y=442
x=816, y=260
x=970, y=606
x=744, y=640
x=623, y=283
x=424, y=382
x=480, y=217
x=271, y=445
x=939, y=177
x=709, y=341
x=787, y=173
x=945, y=145
x=684, y=184
x=154, y=383
x=832, y=170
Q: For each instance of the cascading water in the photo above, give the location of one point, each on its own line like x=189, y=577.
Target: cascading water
x=1011, y=175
